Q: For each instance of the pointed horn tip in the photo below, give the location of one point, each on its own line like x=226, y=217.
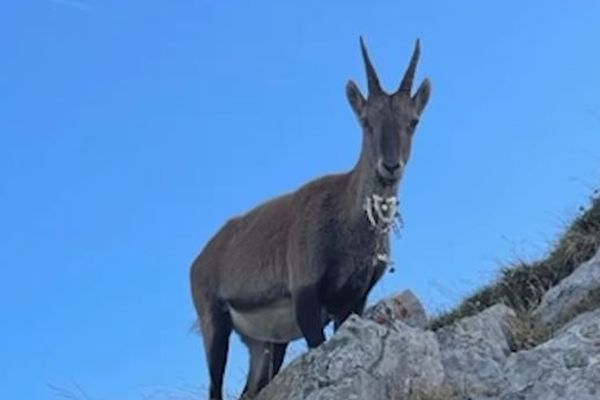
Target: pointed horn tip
x=363, y=46
x=407, y=80
x=418, y=46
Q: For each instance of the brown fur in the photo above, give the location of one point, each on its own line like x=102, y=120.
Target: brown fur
x=313, y=247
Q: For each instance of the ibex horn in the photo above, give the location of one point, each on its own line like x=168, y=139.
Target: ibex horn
x=373, y=81
x=409, y=75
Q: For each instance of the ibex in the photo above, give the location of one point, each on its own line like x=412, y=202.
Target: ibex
x=288, y=267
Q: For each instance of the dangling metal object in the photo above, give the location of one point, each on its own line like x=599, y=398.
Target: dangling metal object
x=384, y=258
x=384, y=217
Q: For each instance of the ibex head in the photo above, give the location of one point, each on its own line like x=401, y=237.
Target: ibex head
x=388, y=120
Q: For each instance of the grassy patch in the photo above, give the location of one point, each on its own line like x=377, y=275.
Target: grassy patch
x=522, y=285
x=527, y=332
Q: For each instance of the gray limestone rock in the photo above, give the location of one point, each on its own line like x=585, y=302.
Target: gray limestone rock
x=404, y=307
x=560, y=301
x=565, y=367
x=474, y=350
x=363, y=360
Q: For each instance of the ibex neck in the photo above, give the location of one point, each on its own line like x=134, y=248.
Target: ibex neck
x=363, y=183
x=374, y=206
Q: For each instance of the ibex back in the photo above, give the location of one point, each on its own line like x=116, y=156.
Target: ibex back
x=288, y=267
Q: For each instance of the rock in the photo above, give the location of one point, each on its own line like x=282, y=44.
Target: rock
x=595, y=314
x=474, y=350
x=363, y=360
x=561, y=300
x=388, y=354
x=565, y=367
x=404, y=307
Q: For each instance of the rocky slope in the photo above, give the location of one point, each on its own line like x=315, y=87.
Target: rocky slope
x=545, y=348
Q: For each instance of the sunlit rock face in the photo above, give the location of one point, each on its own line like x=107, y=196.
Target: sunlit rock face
x=390, y=353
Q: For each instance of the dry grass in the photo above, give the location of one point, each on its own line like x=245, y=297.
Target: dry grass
x=527, y=332
x=442, y=393
x=74, y=391
x=521, y=285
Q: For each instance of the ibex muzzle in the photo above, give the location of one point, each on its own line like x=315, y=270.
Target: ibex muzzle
x=285, y=269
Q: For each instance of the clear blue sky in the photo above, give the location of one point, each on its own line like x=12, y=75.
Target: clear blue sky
x=131, y=130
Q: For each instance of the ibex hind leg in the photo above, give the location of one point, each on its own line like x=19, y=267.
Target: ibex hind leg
x=215, y=324
x=265, y=361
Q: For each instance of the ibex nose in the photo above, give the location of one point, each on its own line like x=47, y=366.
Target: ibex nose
x=391, y=171
x=391, y=168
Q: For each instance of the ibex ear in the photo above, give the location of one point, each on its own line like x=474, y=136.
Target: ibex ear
x=421, y=97
x=356, y=99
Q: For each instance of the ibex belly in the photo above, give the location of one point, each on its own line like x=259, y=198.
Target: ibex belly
x=274, y=322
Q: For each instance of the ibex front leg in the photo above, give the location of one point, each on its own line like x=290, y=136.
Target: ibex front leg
x=356, y=308
x=307, y=306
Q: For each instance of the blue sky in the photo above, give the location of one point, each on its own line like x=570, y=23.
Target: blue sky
x=130, y=131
